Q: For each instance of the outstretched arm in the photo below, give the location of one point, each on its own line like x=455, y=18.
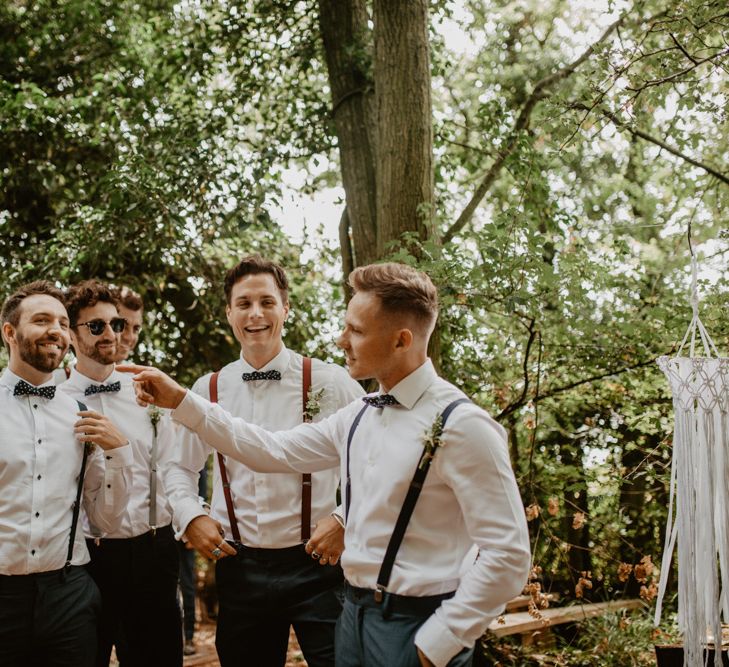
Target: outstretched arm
x=154, y=386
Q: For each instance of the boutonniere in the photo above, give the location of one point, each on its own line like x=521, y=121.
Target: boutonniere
x=432, y=441
x=313, y=404
x=155, y=414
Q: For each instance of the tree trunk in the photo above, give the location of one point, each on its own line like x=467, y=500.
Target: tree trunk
x=404, y=172
x=345, y=35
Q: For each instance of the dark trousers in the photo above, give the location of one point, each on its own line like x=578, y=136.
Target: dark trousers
x=49, y=619
x=370, y=634
x=187, y=588
x=262, y=593
x=137, y=578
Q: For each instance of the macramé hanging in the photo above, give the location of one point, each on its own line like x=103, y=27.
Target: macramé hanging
x=698, y=514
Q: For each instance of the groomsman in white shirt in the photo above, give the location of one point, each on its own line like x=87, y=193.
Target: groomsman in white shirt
x=135, y=565
x=407, y=603
x=261, y=521
x=131, y=310
x=49, y=605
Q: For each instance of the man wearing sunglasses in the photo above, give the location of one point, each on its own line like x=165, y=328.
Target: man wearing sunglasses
x=135, y=566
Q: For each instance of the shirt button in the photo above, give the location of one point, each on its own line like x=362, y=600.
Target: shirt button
x=108, y=458
x=37, y=513
x=39, y=441
x=35, y=405
x=108, y=486
x=32, y=552
x=39, y=476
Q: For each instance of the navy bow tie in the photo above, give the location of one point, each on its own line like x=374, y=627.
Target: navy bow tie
x=22, y=388
x=381, y=400
x=258, y=375
x=101, y=388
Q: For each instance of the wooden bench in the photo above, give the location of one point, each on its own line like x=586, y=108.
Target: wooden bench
x=531, y=628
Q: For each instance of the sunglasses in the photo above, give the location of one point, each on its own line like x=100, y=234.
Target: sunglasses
x=96, y=327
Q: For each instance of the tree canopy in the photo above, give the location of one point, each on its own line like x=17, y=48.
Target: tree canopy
x=568, y=149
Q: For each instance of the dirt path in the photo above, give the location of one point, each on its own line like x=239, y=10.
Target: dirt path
x=207, y=657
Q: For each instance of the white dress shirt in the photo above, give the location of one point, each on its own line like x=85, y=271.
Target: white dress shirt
x=40, y=460
x=135, y=423
x=469, y=497
x=267, y=505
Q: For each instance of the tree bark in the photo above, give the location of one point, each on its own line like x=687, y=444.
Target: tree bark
x=345, y=33
x=404, y=172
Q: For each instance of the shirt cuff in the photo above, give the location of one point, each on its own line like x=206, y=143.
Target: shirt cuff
x=119, y=457
x=438, y=643
x=191, y=410
x=184, y=512
x=338, y=515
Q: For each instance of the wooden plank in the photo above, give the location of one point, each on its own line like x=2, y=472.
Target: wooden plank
x=522, y=621
x=522, y=602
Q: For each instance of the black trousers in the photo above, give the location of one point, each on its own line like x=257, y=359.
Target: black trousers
x=262, y=593
x=49, y=619
x=187, y=588
x=140, y=614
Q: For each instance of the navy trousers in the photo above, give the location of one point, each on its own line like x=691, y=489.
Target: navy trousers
x=372, y=635
x=137, y=578
x=49, y=619
x=262, y=593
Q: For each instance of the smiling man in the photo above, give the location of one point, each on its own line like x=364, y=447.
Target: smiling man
x=131, y=310
x=427, y=475
x=136, y=565
x=49, y=605
x=270, y=582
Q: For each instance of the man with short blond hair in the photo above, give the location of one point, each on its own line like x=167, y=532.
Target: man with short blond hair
x=49, y=606
x=426, y=474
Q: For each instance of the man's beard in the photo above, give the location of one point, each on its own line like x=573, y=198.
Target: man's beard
x=105, y=358
x=42, y=360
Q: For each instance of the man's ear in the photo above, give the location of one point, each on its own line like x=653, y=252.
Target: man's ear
x=404, y=339
x=8, y=333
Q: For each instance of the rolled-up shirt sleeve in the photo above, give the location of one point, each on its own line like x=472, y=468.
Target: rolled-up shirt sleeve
x=107, y=485
x=474, y=463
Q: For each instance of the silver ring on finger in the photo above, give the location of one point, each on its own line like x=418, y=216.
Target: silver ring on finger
x=215, y=553
x=315, y=555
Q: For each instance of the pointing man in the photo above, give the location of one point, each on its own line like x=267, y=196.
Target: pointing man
x=427, y=475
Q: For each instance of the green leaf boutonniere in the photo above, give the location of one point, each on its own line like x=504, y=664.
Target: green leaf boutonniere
x=432, y=441
x=313, y=404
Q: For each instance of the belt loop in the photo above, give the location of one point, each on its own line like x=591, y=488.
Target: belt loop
x=386, y=605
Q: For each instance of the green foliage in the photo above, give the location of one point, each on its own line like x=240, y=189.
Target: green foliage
x=144, y=143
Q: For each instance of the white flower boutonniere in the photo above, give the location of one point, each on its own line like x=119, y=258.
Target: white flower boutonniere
x=313, y=404
x=432, y=441
x=155, y=414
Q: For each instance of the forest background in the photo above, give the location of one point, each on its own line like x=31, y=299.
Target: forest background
x=542, y=160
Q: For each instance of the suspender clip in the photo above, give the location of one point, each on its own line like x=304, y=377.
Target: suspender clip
x=153, y=530
x=379, y=593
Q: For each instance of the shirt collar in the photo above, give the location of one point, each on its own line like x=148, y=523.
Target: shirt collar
x=409, y=390
x=10, y=379
x=82, y=381
x=279, y=363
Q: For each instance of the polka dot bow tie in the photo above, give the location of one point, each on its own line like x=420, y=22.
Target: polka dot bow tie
x=22, y=388
x=102, y=388
x=258, y=375
x=380, y=401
